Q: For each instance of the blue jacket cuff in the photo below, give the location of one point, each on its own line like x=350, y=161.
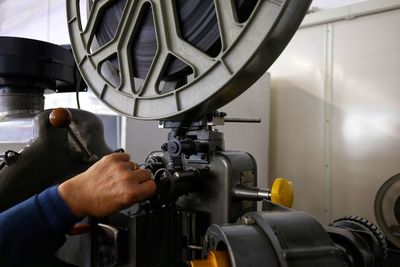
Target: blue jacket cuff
x=56, y=211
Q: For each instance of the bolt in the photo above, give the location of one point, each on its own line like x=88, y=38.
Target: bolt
x=10, y=154
x=247, y=220
x=164, y=147
x=10, y=157
x=173, y=148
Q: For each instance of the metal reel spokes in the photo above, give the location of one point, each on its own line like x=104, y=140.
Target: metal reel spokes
x=245, y=50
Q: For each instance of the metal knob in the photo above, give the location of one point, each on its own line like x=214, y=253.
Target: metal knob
x=281, y=193
x=60, y=118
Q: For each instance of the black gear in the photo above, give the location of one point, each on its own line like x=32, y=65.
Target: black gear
x=359, y=223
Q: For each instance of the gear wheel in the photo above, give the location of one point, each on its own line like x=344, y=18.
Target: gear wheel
x=361, y=224
x=387, y=209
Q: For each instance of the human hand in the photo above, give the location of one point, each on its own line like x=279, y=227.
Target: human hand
x=111, y=184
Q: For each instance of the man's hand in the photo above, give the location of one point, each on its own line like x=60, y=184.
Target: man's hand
x=111, y=184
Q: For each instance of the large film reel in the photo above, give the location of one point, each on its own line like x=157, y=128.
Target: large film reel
x=221, y=66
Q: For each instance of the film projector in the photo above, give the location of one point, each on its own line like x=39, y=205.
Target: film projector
x=175, y=62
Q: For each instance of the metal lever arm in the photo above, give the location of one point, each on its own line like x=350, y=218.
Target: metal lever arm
x=62, y=118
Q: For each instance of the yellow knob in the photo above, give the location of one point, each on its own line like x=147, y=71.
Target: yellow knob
x=282, y=192
x=214, y=259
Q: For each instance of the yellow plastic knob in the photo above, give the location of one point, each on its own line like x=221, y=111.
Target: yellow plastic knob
x=214, y=259
x=282, y=192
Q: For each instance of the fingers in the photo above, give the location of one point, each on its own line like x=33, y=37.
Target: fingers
x=131, y=183
x=145, y=190
x=142, y=175
x=130, y=165
x=121, y=159
x=140, y=187
x=137, y=192
x=118, y=156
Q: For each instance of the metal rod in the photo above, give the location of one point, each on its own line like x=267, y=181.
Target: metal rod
x=79, y=143
x=243, y=120
x=250, y=193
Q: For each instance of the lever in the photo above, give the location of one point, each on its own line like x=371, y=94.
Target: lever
x=243, y=120
x=219, y=118
x=62, y=118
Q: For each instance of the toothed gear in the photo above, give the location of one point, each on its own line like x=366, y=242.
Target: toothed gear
x=362, y=223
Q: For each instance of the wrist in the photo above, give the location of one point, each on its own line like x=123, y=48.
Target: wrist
x=69, y=194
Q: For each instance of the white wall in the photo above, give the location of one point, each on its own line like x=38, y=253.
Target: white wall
x=335, y=114
x=44, y=20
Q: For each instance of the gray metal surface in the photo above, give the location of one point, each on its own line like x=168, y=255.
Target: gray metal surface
x=279, y=237
x=50, y=158
x=227, y=169
x=248, y=50
x=20, y=103
x=251, y=137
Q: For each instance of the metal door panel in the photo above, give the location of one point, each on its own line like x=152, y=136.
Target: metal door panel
x=297, y=118
x=366, y=140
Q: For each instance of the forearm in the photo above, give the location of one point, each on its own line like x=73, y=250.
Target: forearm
x=35, y=228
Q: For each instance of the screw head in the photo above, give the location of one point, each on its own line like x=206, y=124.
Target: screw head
x=247, y=220
x=10, y=154
x=164, y=147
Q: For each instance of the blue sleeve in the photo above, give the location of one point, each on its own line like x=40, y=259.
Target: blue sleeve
x=34, y=229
